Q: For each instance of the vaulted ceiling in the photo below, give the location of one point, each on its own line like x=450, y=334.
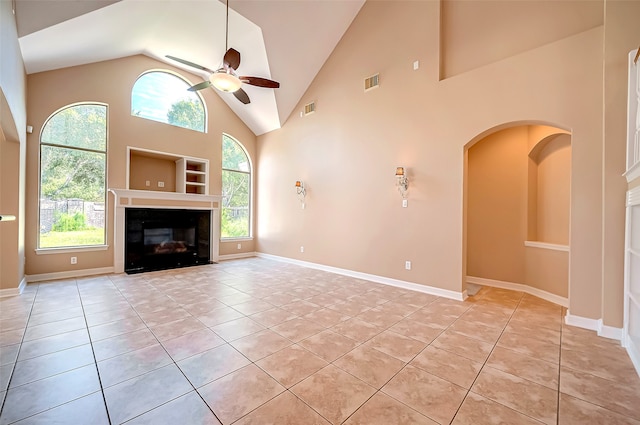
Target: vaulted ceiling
x=285, y=40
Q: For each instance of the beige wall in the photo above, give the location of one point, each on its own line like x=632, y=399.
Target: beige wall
x=473, y=32
x=10, y=274
x=12, y=151
x=144, y=168
x=497, y=206
x=622, y=34
x=348, y=149
x=111, y=82
x=553, y=190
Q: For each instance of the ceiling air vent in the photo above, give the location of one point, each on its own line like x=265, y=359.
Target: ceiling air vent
x=309, y=108
x=372, y=82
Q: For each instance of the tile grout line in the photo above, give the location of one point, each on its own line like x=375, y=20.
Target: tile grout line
x=169, y=355
x=93, y=353
x=15, y=364
x=485, y=363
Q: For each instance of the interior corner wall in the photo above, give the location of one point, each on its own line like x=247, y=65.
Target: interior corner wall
x=346, y=152
x=497, y=206
x=12, y=150
x=621, y=35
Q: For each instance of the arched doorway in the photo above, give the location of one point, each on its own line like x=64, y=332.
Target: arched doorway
x=517, y=209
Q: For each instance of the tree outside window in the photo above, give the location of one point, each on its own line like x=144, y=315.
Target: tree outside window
x=73, y=157
x=236, y=190
x=163, y=97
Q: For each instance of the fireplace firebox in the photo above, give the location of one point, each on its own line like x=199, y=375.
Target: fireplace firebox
x=157, y=239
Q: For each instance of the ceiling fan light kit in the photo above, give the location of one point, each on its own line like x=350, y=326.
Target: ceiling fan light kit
x=225, y=82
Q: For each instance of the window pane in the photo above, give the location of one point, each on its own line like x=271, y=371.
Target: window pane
x=82, y=126
x=233, y=156
x=163, y=97
x=72, y=197
x=235, y=204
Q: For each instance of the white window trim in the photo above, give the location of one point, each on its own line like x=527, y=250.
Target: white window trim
x=70, y=249
x=251, y=195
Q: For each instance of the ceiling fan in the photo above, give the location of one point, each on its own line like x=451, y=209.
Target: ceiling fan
x=225, y=78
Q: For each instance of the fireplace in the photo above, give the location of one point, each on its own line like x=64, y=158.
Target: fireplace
x=157, y=239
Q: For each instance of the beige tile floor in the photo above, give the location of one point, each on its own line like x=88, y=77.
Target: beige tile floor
x=261, y=342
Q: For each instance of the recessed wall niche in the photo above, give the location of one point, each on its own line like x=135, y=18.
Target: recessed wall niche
x=151, y=168
x=517, y=202
x=550, y=189
x=167, y=172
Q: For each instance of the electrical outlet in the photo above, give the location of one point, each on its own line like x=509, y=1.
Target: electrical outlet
x=301, y=249
x=74, y=260
x=147, y=183
x=416, y=65
x=407, y=265
x=405, y=203
x=239, y=246
x=160, y=184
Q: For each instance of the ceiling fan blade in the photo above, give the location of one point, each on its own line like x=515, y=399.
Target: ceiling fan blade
x=260, y=82
x=232, y=58
x=242, y=96
x=200, y=86
x=191, y=64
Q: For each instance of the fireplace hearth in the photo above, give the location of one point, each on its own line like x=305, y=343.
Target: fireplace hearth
x=158, y=239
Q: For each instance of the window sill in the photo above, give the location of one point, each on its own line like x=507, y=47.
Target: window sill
x=70, y=249
x=248, y=238
x=546, y=245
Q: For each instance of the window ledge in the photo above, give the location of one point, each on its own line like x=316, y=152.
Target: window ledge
x=546, y=245
x=248, y=238
x=69, y=249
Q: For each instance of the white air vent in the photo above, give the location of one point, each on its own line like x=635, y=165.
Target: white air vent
x=309, y=108
x=372, y=82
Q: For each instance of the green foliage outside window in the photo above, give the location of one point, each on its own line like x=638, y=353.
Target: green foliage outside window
x=236, y=190
x=186, y=113
x=73, y=147
x=69, y=222
x=163, y=96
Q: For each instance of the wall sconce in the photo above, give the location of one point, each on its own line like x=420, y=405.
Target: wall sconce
x=301, y=191
x=402, y=182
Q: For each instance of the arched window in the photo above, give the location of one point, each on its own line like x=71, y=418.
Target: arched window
x=73, y=159
x=162, y=96
x=236, y=190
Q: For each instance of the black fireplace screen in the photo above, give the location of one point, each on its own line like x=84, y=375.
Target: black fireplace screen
x=166, y=238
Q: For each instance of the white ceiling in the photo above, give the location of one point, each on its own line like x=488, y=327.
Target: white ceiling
x=285, y=40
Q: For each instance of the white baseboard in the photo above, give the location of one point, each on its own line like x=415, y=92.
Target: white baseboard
x=634, y=353
x=610, y=332
x=236, y=256
x=601, y=329
x=548, y=296
x=582, y=322
x=460, y=296
x=12, y=292
x=68, y=274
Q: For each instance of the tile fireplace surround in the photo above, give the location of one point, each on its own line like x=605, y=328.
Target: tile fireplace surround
x=257, y=341
x=125, y=198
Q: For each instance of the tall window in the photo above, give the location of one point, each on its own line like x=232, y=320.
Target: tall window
x=73, y=158
x=236, y=190
x=162, y=96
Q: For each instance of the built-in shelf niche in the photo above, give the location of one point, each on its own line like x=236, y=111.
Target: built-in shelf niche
x=166, y=172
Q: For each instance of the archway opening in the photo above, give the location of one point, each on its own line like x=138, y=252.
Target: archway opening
x=517, y=209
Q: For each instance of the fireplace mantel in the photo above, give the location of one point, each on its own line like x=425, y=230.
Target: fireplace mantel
x=125, y=198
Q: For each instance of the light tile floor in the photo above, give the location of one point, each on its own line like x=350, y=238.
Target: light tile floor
x=261, y=342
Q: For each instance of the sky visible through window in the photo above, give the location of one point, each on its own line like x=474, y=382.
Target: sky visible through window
x=155, y=92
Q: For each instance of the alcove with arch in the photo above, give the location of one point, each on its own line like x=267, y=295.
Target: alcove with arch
x=517, y=187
